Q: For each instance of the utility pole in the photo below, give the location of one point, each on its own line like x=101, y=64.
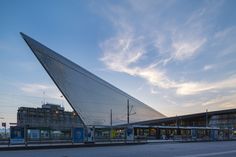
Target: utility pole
x=177, y=125
x=111, y=117
x=5, y=129
x=206, y=117
x=111, y=125
x=176, y=121
x=128, y=111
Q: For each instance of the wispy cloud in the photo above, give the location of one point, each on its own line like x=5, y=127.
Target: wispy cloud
x=223, y=101
x=208, y=67
x=224, y=41
x=163, y=43
x=186, y=49
x=32, y=88
x=199, y=87
x=123, y=56
x=35, y=89
x=125, y=52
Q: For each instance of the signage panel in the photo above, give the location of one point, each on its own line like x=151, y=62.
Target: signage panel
x=78, y=135
x=17, y=135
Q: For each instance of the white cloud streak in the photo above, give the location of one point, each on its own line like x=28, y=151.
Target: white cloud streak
x=228, y=101
x=186, y=49
x=122, y=57
x=191, y=88
x=208, y=67
x=39, y=90
x=129, y=46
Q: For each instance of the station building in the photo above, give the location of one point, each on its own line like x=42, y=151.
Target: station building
x=105, y=110
x=223, y=123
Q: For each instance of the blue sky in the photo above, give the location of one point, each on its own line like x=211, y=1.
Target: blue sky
x=179, y=57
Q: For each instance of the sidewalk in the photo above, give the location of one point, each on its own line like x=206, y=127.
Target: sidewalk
x=64, y=145
x=6, y=147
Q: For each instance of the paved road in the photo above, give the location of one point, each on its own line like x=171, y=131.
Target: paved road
x=201, y=149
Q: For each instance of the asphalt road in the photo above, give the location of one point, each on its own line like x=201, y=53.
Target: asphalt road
x=201, y=149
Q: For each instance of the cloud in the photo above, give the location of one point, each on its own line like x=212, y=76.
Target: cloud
x=223, y=101
x=186, y=49
x=160, y=42
x=208, y=67
x=224, y=41
x=40, y=90
x=191, y=88
x=31, y=88
x=121, y=58
x=122, y=53
x=222, y=34
x=153, y=91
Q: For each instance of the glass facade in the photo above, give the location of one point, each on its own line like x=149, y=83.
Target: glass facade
x=90, y=96
x=224, y=121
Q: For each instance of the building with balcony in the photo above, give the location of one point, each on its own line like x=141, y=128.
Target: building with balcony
x=49, y=121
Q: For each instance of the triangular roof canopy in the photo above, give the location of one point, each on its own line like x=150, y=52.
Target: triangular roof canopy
x=90, y=96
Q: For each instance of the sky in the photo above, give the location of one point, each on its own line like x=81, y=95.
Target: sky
x=177, y=56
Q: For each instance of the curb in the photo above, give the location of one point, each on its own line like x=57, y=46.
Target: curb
x=66, y=146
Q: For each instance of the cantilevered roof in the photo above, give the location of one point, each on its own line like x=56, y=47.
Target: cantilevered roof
x=186, y=117
x=90, y=96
